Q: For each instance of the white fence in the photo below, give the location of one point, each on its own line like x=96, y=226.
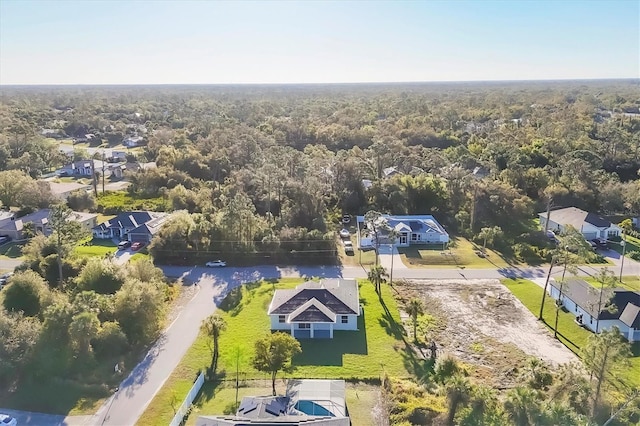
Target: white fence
x=188, y=400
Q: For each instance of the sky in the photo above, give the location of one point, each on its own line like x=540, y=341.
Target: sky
x=218, y=42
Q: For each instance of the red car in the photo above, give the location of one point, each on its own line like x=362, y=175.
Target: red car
x=136, y=246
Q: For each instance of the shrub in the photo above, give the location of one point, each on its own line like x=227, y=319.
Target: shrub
x=635, y=255
x=110, y=341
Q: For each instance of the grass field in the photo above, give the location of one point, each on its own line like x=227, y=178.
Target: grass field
x=11, y=250
x=628, y=282
x=363, y=355
x=96, y=247
x=632, y=244
x=570, y=334
x=461, y=253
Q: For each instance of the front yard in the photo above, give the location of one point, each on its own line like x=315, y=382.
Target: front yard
x=11, y=250
x=461, y=253
x=377, y=348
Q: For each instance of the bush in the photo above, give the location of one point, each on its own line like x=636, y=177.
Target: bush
x=26, y=292
x=635, y=255
x=110, y=341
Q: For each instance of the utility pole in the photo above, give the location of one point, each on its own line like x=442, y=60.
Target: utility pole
x=103, y=172
x=624, y=249
x=559, y=301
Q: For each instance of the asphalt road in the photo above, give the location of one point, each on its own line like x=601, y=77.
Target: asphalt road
x=139, y=388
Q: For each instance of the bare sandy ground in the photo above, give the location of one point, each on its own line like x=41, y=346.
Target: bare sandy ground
x=481, y=323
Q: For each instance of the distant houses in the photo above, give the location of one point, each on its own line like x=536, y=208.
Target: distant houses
x=590, y=225
x=13, y=227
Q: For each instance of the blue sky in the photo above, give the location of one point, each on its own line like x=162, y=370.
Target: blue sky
x=149, y=42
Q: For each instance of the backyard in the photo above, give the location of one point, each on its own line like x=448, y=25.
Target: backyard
x=377, y=348
x=460, y=253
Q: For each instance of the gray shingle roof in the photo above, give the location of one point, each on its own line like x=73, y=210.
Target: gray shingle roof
x=576, y=217
x=631, y=316
x=340, y=296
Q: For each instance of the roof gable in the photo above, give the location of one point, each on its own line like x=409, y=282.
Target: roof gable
x=339, y=296
x=312, y=311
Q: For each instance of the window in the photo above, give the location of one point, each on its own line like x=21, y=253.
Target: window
x=344, y=319
x=304, y=325
x=282, y=319
x=414, y=237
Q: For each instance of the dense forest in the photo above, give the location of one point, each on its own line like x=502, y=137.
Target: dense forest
x=264, y=174
x=267, y=170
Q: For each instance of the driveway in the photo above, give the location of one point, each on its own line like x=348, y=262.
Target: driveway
x=389, y=257
x=38, y=419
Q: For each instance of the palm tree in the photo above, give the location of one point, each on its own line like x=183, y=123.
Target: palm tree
x=522, y=406
x=560, y=414
x=377, y=275
x=457, y=390
x=489, y=235
x=414, y=308
x=214, y=325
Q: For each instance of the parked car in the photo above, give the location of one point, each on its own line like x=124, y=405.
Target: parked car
x=346, y=219
x=123, y=245
x=4, y=239
x=4, y=278
x=216, y=264
x=7, y=420
x=601, y=243
x=348, y=247
x=344, y=233
x=593, y=245
x=137, y=246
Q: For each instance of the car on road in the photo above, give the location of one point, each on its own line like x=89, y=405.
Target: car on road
x=348, y=247
x=124, y=244
x=344, y=233
x=7, y=420
x=4, y=278
x=137, y=246
x=216, y=264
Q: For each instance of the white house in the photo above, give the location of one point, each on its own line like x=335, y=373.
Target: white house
x=590, y=225
x=583, y=301
x=315, y=309
x=62, y=190
x=412, y=229
x=133, y=141
x=132, y=226
x=83, y=168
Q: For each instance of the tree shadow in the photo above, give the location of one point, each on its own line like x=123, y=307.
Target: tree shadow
x=329, y=352
x=390, y=325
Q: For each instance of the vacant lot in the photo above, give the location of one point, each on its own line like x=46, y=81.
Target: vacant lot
x=481, y=323
x=461, y=253
x=377, y=348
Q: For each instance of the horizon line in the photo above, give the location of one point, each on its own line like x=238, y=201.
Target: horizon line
x=325, y=83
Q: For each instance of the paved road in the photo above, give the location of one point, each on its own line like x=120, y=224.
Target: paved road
x=137, y=390
x=39, y=419
x=9, y=264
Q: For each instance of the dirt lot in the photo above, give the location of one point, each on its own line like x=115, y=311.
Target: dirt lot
x=481, y=323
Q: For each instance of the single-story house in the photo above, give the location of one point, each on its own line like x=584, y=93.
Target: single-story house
x=83, y=168
x=40, y=220
x=122, y=225
x=590, y=225
x=315, y=309
x=321, y=402
x=390, y=172
x=412, y=229
x=62, y=190
x=582, y=300
x=133, y=141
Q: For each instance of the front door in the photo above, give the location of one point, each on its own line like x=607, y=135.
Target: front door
x=403, y=239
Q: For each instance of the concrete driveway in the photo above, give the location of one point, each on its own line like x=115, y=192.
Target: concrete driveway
x=9, y=264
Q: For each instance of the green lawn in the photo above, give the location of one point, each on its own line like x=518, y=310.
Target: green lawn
x=462, y=253
x=361, y=355
x=96, y=247
x=632, y=244
x=570, y=334
x=628, y=282
x=11, y=250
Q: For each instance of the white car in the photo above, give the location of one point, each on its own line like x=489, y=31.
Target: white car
x=344, y=233
x=7, y=420
x=216, y=264
x=348, y=247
